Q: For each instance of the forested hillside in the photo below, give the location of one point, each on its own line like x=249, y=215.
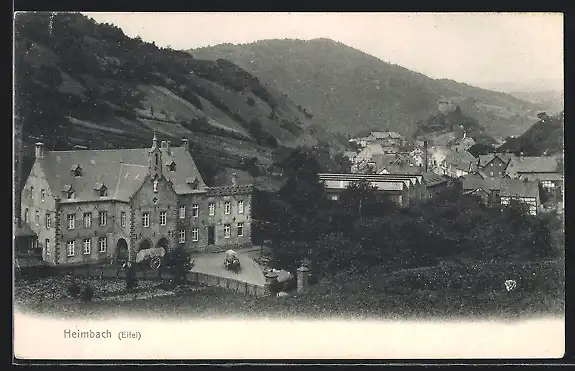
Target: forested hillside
x=80, y=84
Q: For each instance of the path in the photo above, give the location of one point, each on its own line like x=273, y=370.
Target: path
x=213, y=263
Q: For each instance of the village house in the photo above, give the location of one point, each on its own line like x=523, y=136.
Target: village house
x=387, y=139
x=493, y=164
x=522, y=190
x=457, y=164
x=463, y=145
x=435, y=159
x=488, y=189
x=435, y=183
x=400, y=188
x=94, y=206
x=544, y=169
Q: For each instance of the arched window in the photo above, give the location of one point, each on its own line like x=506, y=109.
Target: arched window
x=157, y=159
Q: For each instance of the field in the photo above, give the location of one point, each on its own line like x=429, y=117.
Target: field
x=446, y=292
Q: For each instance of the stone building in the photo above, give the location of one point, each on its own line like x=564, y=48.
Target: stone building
x=90, y=206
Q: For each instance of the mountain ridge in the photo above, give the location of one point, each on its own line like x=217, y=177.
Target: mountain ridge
x=397, y=96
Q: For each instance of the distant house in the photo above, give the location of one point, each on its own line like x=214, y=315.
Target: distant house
x=457, y=164
x=417, y=156
x=522, y=190
x=494, y=164
x=401, y=188
x=387, y=138
x=368, y=154
x=435, y=183
x=362, y=142
x=488, y=189
x=463, y=145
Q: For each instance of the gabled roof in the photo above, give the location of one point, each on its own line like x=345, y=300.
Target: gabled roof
x=121, y=170
x=472, y=181
x=432, y=179
x=461, y=160
x=543, y=164
x=486, y=159
x=519, y=188
x=385, y=134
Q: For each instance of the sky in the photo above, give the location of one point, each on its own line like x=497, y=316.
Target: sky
x=482, y=49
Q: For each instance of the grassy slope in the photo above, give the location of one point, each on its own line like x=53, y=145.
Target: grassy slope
x=432, y=292
x=353, y=91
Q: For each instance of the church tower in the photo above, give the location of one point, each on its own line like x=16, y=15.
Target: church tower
x=155, y=160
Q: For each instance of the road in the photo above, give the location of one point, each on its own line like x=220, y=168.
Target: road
x=213, y=263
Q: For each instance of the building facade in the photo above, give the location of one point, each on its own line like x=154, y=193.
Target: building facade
x=94, y=206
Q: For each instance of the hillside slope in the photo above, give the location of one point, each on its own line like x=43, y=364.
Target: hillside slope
x=546, y=137
x=356, y=92
x=80, y=84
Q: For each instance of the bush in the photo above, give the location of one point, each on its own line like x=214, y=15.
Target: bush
x=74, y=290
x=290, y=284
x=275, y=287
x=312, y=280
x=87, y=293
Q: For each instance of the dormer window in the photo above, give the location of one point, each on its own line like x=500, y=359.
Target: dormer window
x=69, y=191
x=193, y=182
x=171, y=165
x=76, y=170
x=101, y=189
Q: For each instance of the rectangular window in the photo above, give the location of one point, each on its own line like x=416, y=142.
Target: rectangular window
x=42, y=195
x=195, y=234
x=37, y=218
x=87, y=220
x=196, y=210
x=47, y=247
x=71, y=221
x=240, y=229
x=211, y=208
x=182, y=212
x=240, y=207
x=182, y=236
x=227, y=231
x=102, y=244
x=70, y=248
x=87, y=246
x=162, y=218
x=548, y=184
x=146, y=220
x=123, y=219
x=227, y=207
x=48, y=221
x=103, y=217
x=26, y=215
x=31, y=192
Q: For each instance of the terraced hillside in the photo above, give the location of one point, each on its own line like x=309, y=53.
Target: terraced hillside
x=80, y=84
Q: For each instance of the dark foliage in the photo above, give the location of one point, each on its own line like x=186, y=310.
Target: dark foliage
x=74, y=290
x=87, y=294
x=544, y=137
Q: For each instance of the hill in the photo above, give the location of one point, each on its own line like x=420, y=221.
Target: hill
x=80, y=84
x=544, y=137
x=356, y=92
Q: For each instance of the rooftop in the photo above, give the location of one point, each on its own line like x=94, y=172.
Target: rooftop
x=519, y=188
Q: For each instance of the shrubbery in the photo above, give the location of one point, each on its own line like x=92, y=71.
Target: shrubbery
x=87, y=293
x=74, y=290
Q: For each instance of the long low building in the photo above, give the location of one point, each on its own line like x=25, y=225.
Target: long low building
x=401, y=188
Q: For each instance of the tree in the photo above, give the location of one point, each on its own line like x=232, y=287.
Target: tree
x=178, y=262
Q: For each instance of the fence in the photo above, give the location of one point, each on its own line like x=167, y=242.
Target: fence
x=198, y=277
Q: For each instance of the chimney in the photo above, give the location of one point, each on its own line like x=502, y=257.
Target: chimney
x=163, y=143
x=425, y=155
x=185, y=144
x=168, y=146
x=39, y=150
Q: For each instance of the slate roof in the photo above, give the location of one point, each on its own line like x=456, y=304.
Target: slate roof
x=475, y=182
x=519, y=188
x=461, y=160
x=24, y=230
x=385, y=134
x=543, y=164
x=485, y=159
x=121, y=171
x=432, y=179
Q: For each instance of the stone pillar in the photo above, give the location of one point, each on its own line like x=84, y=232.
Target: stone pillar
x=271, y=278
x=302, y=276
